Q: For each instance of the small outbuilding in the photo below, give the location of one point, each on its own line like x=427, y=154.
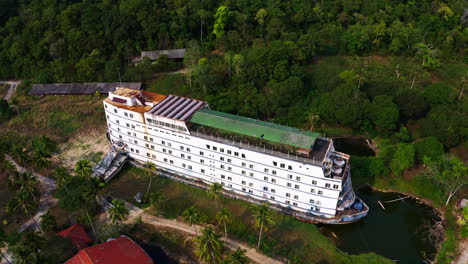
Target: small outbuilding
x=121, y=250
x=154, y=54
x=78, y=235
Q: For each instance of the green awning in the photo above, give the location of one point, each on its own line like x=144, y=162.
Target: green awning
x=255, y=128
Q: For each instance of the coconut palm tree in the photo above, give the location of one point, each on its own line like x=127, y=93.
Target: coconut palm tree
x=118, y=212
x=263, y=219
x=151, y=169
x=24, y=202
x=83, y=169
x=214, y=191
x=48, y=221
x=40, y=159
x=237, y=257
x=91, y=195
x=29, y=183
x=23, y=255
x=3, y=244
x=61, y=177
x=209, y=246
x=224, y=217
x=19, y=153
x=34, y=241
x=155, y=198
x=313, y=118
x=192, y=216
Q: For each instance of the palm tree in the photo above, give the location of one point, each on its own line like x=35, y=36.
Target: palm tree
x=29, y=183
x=118, y=212
x=91, y=195
x=3, y=244
x=24, y=202
x=209, y=246
x=19, y=153
x=34, y=241
x=313, y=119
x=151, y=169
x=214, y=191
x=224, y=217
x=192, y=216
x=14, y=181
x=83, y=169
x=263, y=218
x=48, y=221
x=23, y=255
x=40, y=159
x=155, y=198
x=238, y=257
x=61, y=177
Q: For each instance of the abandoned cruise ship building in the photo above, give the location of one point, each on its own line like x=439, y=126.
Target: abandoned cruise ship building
x=296, y=172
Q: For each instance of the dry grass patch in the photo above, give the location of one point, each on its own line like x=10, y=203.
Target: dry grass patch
x=88, y=145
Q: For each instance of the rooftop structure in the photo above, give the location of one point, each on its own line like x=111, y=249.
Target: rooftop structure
x=78, y=88
x=255, y=128
x=78, y=235
x=121, y=250
x=134, y=100
x=177, y=107
x=154, y=54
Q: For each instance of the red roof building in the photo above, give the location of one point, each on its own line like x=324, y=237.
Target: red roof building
x=78, y=236
x=121, y=250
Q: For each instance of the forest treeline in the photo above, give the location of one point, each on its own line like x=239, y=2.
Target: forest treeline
x=63, y=40
x=293, y=62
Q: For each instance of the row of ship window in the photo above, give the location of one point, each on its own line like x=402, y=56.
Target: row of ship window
x=296, y=197
x=251, y=166
x=222, y=166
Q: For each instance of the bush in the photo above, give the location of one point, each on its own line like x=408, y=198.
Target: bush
x=402, y=159
x=448, y=124
x=438, y=94
x=428, y=147
x=365, y=169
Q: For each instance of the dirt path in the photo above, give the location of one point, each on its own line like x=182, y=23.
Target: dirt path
x=135, y=212
x=11, y=90
x=46, y=201
x=47, y=186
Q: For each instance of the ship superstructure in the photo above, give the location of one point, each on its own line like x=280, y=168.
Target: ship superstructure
x=297, y=172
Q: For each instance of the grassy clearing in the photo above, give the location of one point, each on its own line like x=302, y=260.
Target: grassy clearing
x=299, y=242
x=57, y=117
x=169, y=84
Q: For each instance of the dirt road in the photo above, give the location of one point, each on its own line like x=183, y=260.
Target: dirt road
x=135, y=212
x=11, y=90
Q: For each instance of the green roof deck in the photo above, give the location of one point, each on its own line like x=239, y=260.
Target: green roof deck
x=255, y=128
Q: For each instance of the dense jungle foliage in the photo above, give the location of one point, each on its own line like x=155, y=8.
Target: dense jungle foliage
x=394, y=71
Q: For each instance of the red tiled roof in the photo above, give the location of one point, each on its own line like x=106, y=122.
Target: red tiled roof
x=78, y=236
x=121, y=250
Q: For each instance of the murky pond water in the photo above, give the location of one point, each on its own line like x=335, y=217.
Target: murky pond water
x=157, y=254
x=354, y=146
x=400, y=232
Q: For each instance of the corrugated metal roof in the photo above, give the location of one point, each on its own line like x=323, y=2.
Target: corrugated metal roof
x=154, y=54
x=121, y=250
x=255, y=128
x=79, y=88
x=78, y=236
x=177, y=107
